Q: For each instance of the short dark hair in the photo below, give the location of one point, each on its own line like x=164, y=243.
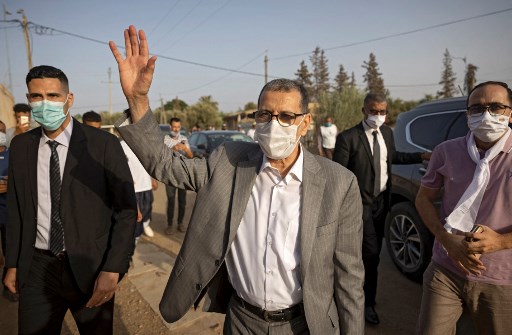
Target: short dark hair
x=46, y=71
x=287, y=85
x=498, y=83
x=374, y=97
x=174, y=119
x=21, y=108
x=91, y=116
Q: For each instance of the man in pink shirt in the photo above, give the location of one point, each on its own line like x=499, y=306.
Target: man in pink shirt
x=471, y=272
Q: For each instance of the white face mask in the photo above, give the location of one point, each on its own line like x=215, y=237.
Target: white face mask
x=3, y=139
x=277, y=142
x=488, y=128
x=375, y=121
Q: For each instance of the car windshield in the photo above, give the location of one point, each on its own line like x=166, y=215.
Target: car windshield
x=219, y=138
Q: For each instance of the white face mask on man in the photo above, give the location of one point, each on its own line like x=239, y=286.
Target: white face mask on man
x=375, y=121
x=488, y=128
x=276, y=141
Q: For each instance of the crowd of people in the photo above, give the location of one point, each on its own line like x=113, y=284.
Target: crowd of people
x=280, y=240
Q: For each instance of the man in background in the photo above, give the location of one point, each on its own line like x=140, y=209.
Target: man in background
x=177, y=142
x=327, y=138
x=22, y=116
x=93, y=119
x=368, y=150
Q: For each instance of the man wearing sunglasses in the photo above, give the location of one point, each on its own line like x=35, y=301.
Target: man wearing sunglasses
x=471, y=267
x=274, y=240
x=368, y=150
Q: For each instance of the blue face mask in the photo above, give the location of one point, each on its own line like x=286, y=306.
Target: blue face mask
x=327, y=124
x=49, y=114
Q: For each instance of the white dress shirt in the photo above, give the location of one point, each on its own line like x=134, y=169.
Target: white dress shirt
x=264, y=260
x=141, y=179
x=44, y=202
x=383, y=153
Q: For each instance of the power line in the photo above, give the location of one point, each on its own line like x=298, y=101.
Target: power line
x=179, y=21
x=44, y=30
x=398, y=34
x=220, y=78
x=164, y=17
x=198, y=25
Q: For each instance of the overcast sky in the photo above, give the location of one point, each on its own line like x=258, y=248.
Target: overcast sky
x=236, y=34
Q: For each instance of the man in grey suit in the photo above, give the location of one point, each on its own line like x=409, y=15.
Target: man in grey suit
x=274, y=240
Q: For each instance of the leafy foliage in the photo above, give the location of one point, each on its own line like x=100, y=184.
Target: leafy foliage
x=448, y=78
x=372, y=77
x=470, y=78
x=320, y=73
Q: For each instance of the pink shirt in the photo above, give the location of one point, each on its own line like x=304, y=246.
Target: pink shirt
x=452, y=168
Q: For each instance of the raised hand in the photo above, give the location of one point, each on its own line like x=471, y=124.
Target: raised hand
x=135, y=71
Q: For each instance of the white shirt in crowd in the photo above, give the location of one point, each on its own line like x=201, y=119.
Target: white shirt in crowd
x=141, y=179
x=383, y=154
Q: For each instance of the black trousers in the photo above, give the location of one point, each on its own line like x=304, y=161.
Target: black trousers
x=374, y=218
x=182, y=202
x=50, y=290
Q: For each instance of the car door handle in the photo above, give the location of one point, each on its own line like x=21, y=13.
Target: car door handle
x=422, y=170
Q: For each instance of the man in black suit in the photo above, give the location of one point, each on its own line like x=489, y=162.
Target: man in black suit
x=355, y=150
x=71, y=217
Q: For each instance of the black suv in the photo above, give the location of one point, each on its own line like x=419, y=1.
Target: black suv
x=408, y=241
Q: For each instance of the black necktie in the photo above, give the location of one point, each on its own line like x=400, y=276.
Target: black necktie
x=376, y=163
x=56, y=231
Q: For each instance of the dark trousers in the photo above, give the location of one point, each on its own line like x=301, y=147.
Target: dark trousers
x=182, y=202
x=49, y=291
x=3, y=241
x=374, y=218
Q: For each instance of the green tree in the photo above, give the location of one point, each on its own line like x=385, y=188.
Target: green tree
x=447, y=78
x=303, y=76
x=341, y=79
x=352, y=80
x=470, y=78
x=372, y=77
x=344, y=107
x=397, y=106
x=320, y=73
x=175, y=105
x=204, y=112
x=250, y=105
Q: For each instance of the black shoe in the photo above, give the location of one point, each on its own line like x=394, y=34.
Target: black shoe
x=370, y=315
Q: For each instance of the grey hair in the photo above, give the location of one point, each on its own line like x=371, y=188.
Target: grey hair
x=287, y=85
x=374, y=97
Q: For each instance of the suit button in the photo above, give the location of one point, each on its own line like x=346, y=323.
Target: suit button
x=217, y=262
x=199, y=287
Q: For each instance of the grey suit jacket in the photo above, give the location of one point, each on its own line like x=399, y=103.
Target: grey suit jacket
x=330, y=237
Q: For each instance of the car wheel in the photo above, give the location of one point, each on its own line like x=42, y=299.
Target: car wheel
x=408, y=241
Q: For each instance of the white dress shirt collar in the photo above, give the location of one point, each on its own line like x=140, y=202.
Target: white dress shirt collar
x=296, y=169
x=62, y=139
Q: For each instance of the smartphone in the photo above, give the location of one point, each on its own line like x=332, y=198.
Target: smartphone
x=23, y=119
x=476, y=229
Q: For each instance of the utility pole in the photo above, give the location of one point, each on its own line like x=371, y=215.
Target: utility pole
x=24, y=24
x=266, y=68
x=7, y=51
x=163, y=117
x=109, y=82
x=110, y=91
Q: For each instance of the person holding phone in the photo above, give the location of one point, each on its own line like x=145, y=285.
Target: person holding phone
x=471, y=268
x=22, y=115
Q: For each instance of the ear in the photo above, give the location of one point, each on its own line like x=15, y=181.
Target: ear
x=71, y=99
x=305, y=124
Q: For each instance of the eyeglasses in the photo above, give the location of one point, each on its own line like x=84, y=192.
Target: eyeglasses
x=285, y=119
x=495, y=109
x=377, y=112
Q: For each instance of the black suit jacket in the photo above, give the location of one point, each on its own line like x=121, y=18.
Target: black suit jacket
x=98, y=206
x=353, y=151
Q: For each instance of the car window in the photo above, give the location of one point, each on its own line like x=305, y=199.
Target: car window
x=201, y=139
x=192, y=140
x=429, y=130
x=219, y=138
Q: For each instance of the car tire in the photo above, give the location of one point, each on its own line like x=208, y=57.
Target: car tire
x=409, y=243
